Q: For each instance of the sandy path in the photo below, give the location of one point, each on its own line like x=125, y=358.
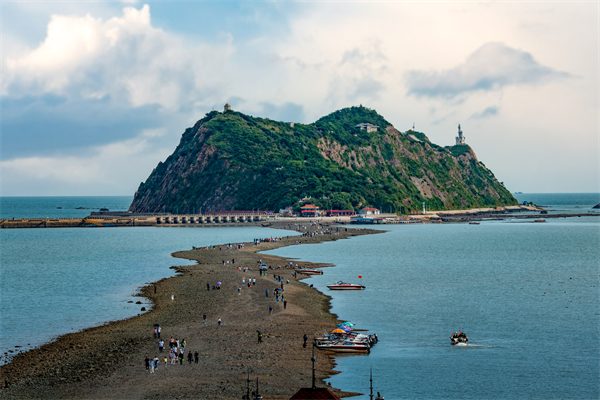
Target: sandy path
x=108, y=362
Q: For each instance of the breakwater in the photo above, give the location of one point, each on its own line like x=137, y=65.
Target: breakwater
x=101, y=220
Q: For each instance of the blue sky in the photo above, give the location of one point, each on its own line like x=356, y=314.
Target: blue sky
x=95, y=94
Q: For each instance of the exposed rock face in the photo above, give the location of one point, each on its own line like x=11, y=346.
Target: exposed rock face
x=232, y=161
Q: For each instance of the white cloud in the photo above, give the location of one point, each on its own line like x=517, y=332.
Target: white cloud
x=113, y=169
x=123, y=58
x=491, y=67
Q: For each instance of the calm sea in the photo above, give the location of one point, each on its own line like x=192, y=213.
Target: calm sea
x=56, y=281
x=525, y=293
x=59, y=206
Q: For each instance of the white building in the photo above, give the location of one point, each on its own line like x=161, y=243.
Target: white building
x=369, y=211
x=460, y=139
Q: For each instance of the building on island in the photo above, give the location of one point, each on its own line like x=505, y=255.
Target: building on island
x=310, y=210
x=369, y=127
x=460, y=139
x=227, y=107
x=340, y=213
x=369, y=211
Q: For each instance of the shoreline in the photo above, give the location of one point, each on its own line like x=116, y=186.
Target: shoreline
x=107, y=361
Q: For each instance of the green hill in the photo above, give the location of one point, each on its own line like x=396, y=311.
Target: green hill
x=232, y=161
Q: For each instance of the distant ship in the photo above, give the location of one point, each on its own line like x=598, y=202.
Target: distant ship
x=518, y=192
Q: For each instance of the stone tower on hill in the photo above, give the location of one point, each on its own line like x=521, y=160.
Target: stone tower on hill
x=227, y=107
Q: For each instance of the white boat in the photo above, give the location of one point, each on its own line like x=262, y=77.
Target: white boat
x=459, y=338
x=343, y=347
x=339, y=285
x=310, y=271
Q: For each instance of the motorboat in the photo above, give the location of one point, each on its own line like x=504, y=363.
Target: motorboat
x=307, y=271
x=339, y=285
x=459, y=338
x=344, y=347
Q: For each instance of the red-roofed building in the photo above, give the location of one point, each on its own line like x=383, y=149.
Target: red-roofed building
x=309, y=210
x=369, y=211
x=340, y=213
x=314, y=394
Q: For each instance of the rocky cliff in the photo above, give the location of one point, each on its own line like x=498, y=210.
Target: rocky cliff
x=232, y=161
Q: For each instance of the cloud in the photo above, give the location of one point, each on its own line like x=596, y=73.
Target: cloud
x=488, y=112
x=124, y=58
x=289, y=112
x=491, y=67
x=57, y=125
x=112, y=169
x=360, y=74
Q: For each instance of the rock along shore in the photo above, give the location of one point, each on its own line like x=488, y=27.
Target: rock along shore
x=108, y=361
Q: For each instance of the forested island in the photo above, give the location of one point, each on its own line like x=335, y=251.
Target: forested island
x=349, y=159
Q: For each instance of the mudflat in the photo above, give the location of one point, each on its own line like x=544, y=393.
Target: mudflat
x=108, y=361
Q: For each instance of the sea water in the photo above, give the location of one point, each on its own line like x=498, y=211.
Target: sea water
x=525, y=293
x=60, y=206
x=56, y=281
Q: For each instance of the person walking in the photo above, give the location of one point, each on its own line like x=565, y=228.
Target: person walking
x=208, y=286
x=196, y=355
x=165, y=360
x=284, y=304
x=239, y=290
x=305, y=341
x=204, y=318
x=158, y=331
x=181, y=357
x=219, y=322
x=190, y=357
x=155, y=363
x=160, y=346
x=155, y=333
x=147, y=363
x=259, y=337
x=267, y=292
x=270, y=310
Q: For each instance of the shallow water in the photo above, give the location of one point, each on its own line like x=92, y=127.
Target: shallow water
x=56, y=281
x=525, y=293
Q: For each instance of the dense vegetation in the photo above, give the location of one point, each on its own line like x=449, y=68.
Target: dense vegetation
x=233, y=161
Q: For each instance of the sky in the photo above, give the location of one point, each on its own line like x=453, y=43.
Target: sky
x=94, y=94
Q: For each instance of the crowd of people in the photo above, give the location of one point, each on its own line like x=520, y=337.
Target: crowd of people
x=176, y=354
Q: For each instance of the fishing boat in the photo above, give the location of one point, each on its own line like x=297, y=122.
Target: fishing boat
x=339, y=285
x=539, y=220
x=459, y=338
x=310, y=271
x=473, y=223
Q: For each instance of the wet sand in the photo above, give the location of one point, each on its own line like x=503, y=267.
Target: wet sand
x=108, y=361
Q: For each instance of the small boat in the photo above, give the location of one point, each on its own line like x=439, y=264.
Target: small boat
x=339, y=285
x=309, y=271
x=459, y=338
x=345, y=347
x=473, y=223
x=539, y=220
